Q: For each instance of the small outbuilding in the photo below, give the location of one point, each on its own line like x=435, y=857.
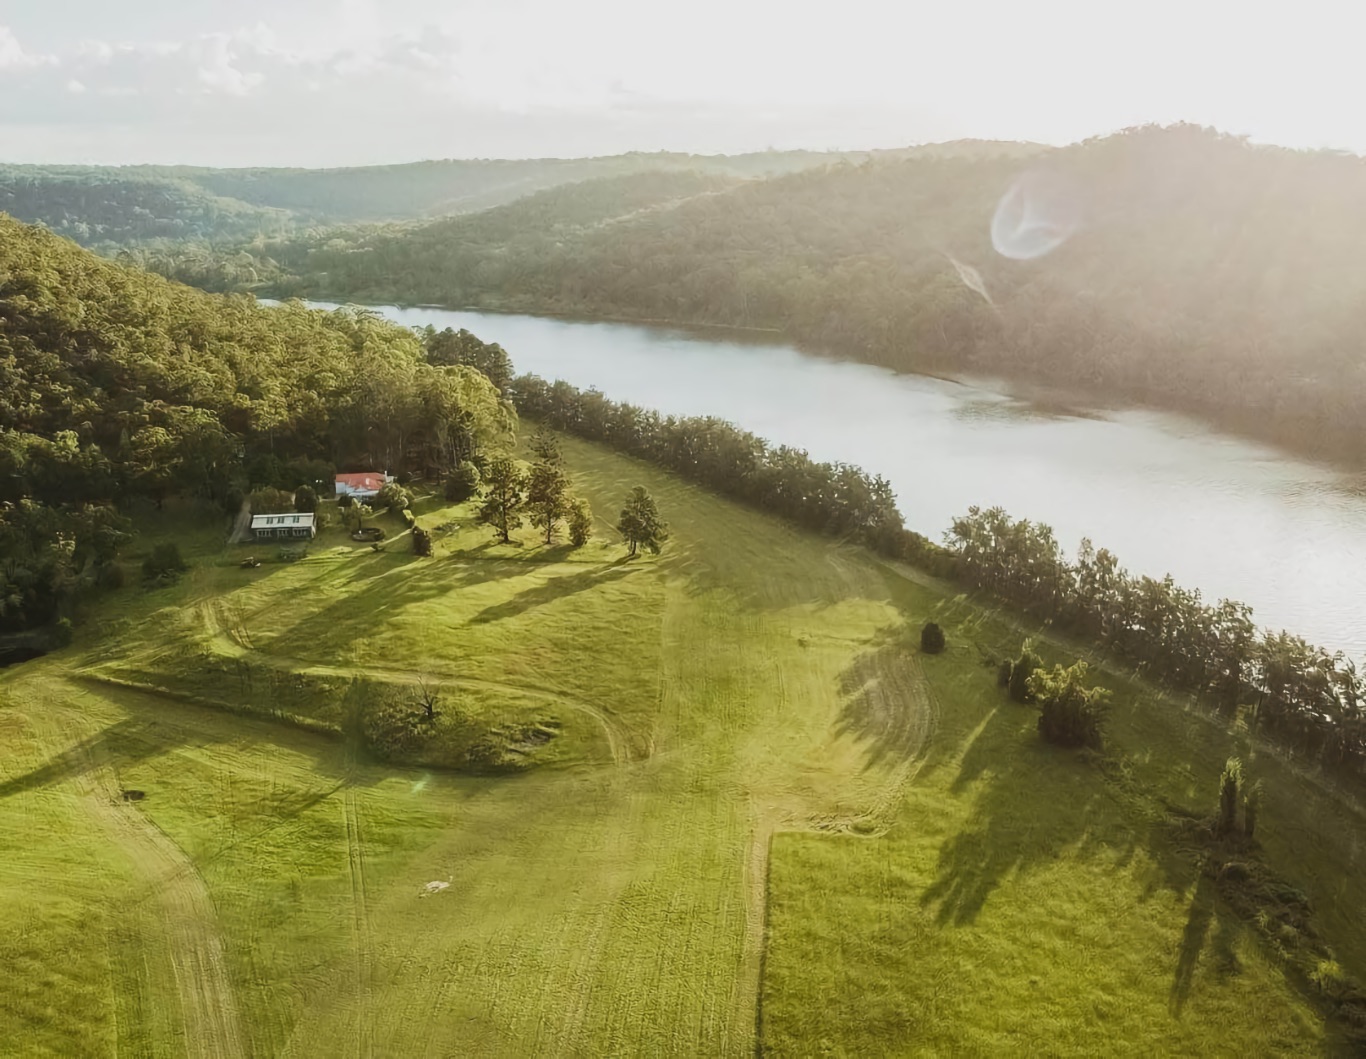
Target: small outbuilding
x=363, y=485
x=288, y=524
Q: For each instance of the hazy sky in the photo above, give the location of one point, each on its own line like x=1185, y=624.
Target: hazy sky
x=341, y=82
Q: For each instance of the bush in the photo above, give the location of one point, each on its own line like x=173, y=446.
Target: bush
x=422, y=541
x=164, y=563
x=62, y=632
x=393, y=496
x=463, y=482
x=1020, y=672
x=110, y=577
x=580, y=523
x=305, y=498
x=931, y=639
x=266, y=501
x=409, y=519
x=345, y=501
x=1071, y=713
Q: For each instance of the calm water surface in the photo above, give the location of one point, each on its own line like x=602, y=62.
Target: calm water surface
x=1233, y=518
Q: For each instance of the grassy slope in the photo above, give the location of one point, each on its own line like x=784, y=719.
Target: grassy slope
x=940, y=881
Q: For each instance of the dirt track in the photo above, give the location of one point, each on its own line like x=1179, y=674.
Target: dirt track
x=211, y=1018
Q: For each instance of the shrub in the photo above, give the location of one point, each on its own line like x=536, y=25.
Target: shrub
x=305, y=498
x=62, y=632
x=164, y=563
x=580, y=523
x=1020, y=672
x=931, y=639
x=110, y=577
x=345, y=501
x=409, y=519
x=393, y=496
x=463, y=482
x=1071, y=713
x=422, y=541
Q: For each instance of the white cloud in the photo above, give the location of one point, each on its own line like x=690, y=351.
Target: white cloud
x=333, y=81
x=13, y=57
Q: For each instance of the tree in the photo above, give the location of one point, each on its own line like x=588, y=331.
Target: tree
x=640, y=524
x=429, y=698
x=305, y=498
x=271, y=500
x=393, y=496
x=580, y=523
x=504, y=497
x=463, y=482
x=1230, y=782
x=931, y=638
x=1071, y=714
x=547, y=493
x=1021, y=671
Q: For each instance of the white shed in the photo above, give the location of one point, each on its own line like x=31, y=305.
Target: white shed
x=291, y=524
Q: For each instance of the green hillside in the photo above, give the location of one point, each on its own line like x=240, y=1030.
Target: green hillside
x=1202, y=273
x=760, y=811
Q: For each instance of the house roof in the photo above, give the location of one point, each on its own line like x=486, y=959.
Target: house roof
x=369, y=480
x=290, y=519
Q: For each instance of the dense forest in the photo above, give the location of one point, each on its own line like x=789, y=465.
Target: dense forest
x=118, y=387
x=1203, y=274
x=111, y=207
x=107, y=206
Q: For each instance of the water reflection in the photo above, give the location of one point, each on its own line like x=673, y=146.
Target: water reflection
x=1232, y=518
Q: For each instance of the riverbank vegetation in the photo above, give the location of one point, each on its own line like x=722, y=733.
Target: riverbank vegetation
x=1205, y=274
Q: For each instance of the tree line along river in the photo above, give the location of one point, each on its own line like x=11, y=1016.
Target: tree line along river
x=1233, y=518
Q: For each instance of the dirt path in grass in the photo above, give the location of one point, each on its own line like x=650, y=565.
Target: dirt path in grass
x=229, y=635
x=899, y=714
x=208, y=1002
x=360, y=921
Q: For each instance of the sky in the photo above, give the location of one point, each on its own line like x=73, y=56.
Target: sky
x=355, y=82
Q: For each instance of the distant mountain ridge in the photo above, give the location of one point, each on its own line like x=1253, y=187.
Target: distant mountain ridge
x=140, y=204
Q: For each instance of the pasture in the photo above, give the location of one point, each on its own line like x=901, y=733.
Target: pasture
x=754, y=816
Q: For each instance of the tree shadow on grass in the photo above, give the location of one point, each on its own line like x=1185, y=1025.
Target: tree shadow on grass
x=551, y=590
x=1035, y=804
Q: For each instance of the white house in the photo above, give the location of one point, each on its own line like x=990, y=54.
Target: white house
x=363, y=485
x=286, y=524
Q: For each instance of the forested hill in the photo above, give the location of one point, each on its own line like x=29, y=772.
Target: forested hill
x=118, y=386
x=128, y=205
x=1205, y=274
x=102, y=207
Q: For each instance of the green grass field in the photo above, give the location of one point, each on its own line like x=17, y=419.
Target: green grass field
x=760, y=819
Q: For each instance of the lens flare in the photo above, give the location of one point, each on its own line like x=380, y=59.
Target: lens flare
x=1037, y=214
x=972, y=279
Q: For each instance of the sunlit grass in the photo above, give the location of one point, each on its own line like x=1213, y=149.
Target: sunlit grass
x=940, y=881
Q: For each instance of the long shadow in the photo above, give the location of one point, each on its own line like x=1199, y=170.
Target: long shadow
x=1198, y=921
x=555, y=588
x=1035, y=803
x=130, y=741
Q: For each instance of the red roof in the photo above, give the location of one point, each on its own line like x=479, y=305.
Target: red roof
x=368, y=480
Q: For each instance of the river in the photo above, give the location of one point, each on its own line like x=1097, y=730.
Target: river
x=1233, y=518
